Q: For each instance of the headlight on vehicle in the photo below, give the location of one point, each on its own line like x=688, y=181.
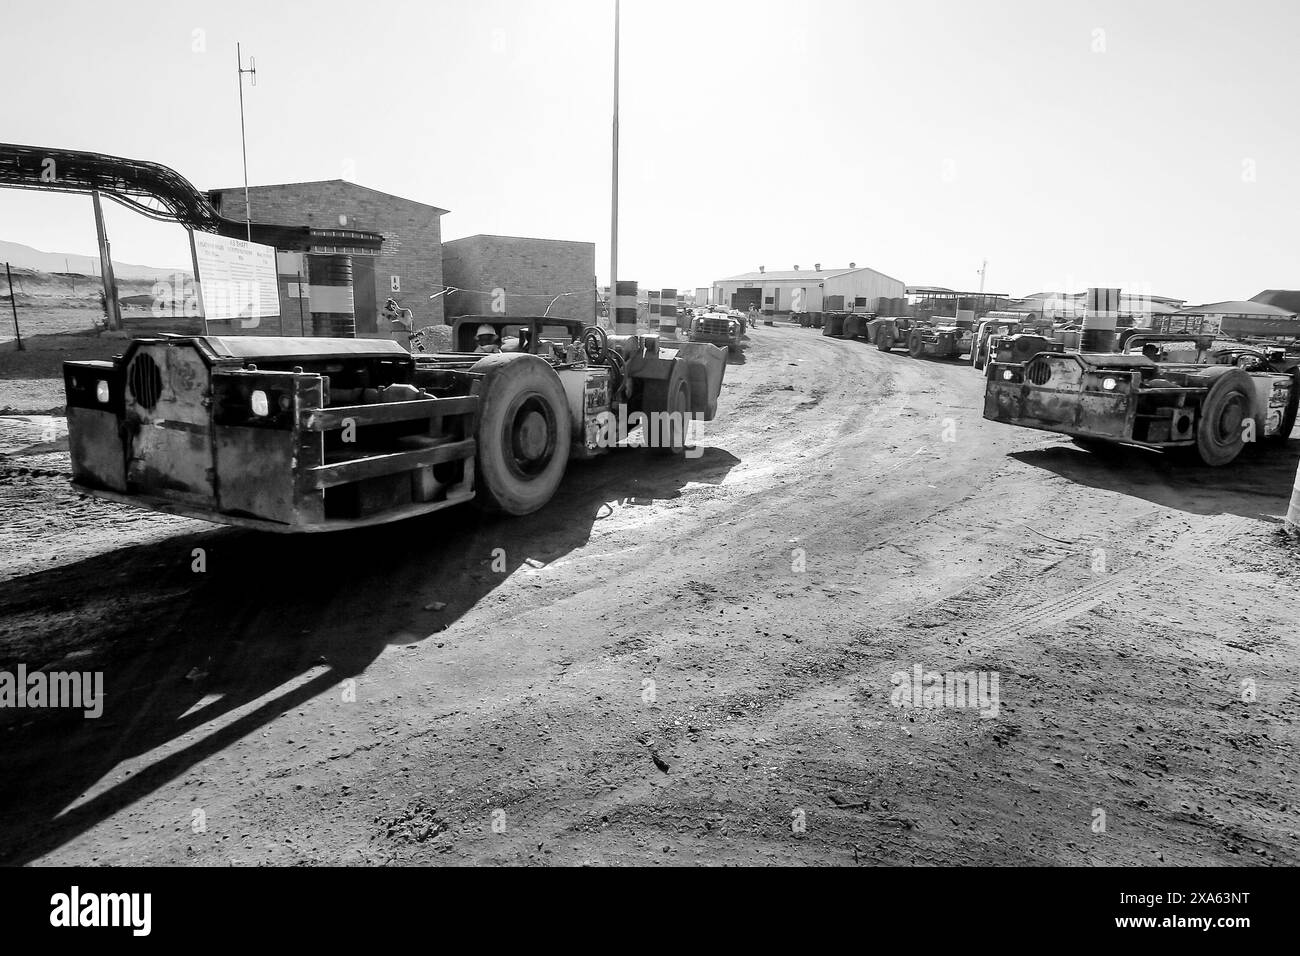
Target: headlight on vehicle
x=1007, y=375
x=101, y=392
x=1109, y=384
x=261, y=408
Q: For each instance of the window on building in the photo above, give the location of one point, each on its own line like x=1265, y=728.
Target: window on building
x=860, y=302
x=768, y=300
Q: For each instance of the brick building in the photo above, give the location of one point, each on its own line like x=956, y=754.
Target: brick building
x=531, y=272
x=408, y=267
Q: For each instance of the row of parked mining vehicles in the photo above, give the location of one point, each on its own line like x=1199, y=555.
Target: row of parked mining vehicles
x=1179, y=393
x=921, y=338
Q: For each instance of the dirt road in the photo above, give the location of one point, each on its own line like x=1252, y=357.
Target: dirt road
x=691, y=662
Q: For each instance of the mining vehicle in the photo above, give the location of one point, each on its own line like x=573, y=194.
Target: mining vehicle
x=1172, y=392
x=319, y=434
x=950, y=340
x=889, y=332
x=723, y=329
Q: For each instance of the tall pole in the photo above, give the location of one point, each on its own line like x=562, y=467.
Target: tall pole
x=13, y=304
x=112, y=314
x=243, y=140
x=613, y=229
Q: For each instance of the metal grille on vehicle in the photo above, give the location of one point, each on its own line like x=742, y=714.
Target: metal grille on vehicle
x=1039, y=371
x=722, y=326
x=145, y=381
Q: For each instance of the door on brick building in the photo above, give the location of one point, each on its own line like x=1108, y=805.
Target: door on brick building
x=365, y=299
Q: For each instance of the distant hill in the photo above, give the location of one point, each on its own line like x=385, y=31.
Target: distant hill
x=25, y=257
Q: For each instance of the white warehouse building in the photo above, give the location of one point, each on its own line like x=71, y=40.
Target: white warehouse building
x=855, y=289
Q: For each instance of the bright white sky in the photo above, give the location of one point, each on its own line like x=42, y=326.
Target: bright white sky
x=1147, y=144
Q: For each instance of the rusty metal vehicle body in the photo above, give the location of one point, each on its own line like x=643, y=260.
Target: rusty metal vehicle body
x=316, y=434
x=1163, y=391
x=719, y=328
x=987, y=334
x=948, y=341
x=1019, y=347
x=888, y=332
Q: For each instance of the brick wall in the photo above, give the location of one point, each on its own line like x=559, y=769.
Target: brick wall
x=542, y=267
x=412, y=234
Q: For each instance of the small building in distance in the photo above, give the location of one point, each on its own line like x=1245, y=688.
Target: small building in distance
x=814, y=290
x=408, y=266
x=513, y=275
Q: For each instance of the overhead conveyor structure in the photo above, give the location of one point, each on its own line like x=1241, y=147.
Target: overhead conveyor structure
x=160, y=193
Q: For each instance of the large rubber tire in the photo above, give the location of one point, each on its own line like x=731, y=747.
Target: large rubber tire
x=523, y=433
x=852, y=326
x=884, y=339
x=1289, y=414
x=1228, y=403
x=915, y=345
x=672, y=395
x=834, y=326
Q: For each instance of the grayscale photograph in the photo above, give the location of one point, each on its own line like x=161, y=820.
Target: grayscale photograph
x=840, y=434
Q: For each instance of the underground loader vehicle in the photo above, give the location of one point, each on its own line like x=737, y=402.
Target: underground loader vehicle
x=1018, y=347
x=948, y=341
x=1169, y=392
x=987, y=335
x=888, y=332
x=719, y=328
x=317, y=434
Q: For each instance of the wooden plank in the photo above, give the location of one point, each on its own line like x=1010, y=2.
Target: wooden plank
x=327, y=419
x=345, y=472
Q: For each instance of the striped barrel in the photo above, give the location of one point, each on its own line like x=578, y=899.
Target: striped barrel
x=625, y=307
x=333, y=312
x=668, y=314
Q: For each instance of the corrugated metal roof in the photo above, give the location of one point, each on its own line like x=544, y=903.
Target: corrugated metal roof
x=815, y=275
x=781, y=275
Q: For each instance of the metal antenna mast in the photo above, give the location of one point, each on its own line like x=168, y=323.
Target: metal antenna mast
x=613, y=229
x=252, y=71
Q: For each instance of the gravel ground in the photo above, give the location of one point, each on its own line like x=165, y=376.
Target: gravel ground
x=681, y=662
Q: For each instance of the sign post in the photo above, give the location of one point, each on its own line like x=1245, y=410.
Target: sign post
x=112, y=314
x=198, y=286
